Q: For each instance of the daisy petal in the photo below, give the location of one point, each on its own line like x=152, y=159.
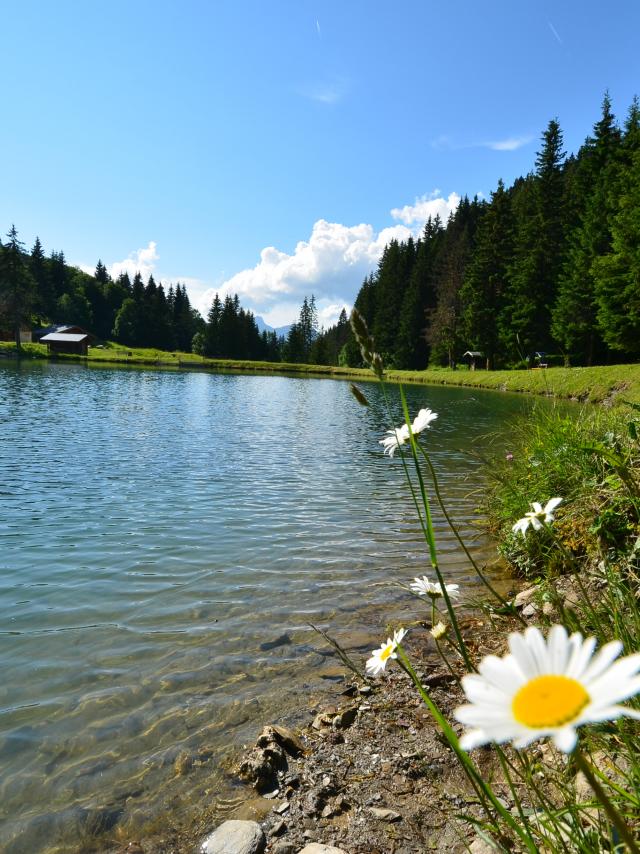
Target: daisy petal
x=565, y=739
x=603, y=659
x=474, y=738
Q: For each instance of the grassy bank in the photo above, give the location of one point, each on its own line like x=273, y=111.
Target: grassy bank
x=595, y=385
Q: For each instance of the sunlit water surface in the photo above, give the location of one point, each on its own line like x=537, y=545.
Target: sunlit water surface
x=157, y=530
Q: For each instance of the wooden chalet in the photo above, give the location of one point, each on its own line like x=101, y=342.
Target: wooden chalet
x=66, y=339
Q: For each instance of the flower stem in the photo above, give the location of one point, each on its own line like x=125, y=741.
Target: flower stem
x=617, y=820
x=456, y=533
x=484, y=791
x=431, y=535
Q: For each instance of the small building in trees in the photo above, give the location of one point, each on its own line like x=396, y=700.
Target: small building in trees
x=68, y=339
x=472, y=357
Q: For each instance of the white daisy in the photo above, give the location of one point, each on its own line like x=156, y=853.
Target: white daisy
x=424, y=587
x=439, y=630
x=395, y=438
x=400, y=435
x=379, y=657
x=546, y=688
x=536, y=517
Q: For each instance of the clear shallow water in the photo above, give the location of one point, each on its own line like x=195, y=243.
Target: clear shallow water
x=156, y=529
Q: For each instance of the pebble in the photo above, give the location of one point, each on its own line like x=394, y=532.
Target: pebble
x=385, y=814
x=241, y=837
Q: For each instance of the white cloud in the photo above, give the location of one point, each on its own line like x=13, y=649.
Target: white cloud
x=328, y=315
x=331, y=264
x=431, y=205
x=141, y=261
x=512, y=143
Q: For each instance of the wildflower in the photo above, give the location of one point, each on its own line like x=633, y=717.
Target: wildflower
x=400, y=435
x=546, y=688
x=509, y=457
x=379, y=657
x=536, y=517
x=424, y=587
x=439, y=630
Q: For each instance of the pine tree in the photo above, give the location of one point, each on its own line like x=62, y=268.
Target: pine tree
x=419, y=301
x=445, y=329
x=617, y=274
x=486, y=277
x=574, y=316
x=212, y=334
x=16, y=285
x=44, y=301
x=538, y=251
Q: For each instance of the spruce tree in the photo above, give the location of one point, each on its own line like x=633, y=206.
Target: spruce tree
x=16, y=285
x=486, y=278
x=538, y=204
x=574, y=315
x=617, y=273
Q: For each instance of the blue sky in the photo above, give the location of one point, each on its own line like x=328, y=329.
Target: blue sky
x=273, y=147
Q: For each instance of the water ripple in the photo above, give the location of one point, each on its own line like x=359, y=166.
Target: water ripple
x=155, y=529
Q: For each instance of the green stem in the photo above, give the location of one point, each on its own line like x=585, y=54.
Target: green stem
x=431, y=535
x=484, y=791
x=456, y=533
x=618, y=822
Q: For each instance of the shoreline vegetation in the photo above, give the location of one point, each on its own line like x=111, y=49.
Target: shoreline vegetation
x=603, y=384
x=547, y=755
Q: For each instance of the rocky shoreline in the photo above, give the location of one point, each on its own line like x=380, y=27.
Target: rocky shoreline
x=370, y=773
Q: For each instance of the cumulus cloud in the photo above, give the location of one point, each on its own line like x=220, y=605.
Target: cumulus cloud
x=141, y=261
x=431, y=205
x=331, y=264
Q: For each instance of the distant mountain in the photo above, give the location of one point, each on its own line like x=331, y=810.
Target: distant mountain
x=279, y=330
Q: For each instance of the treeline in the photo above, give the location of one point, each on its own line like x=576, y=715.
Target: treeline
x=232, y=333
x=36, y=290
x=550, y=264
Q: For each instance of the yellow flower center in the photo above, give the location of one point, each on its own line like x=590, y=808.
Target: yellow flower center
x=386, y=652
x=549, y=701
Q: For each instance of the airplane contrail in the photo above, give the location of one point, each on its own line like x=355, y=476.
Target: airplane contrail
x=555, y=32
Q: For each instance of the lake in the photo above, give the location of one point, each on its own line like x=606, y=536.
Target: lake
x=165, y=540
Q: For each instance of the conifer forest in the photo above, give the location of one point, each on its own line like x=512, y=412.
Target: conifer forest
x=549, y=265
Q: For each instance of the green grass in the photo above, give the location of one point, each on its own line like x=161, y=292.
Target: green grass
x=609, y=383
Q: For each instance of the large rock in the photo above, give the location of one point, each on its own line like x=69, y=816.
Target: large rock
x=318, y=848
x=235, y=837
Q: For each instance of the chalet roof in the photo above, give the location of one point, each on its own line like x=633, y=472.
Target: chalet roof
x=64, y=338
x=473, y=353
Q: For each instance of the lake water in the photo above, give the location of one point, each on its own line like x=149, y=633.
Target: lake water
x=158, y=532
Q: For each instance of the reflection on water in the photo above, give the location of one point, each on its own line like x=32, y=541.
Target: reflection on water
x=158, y=531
